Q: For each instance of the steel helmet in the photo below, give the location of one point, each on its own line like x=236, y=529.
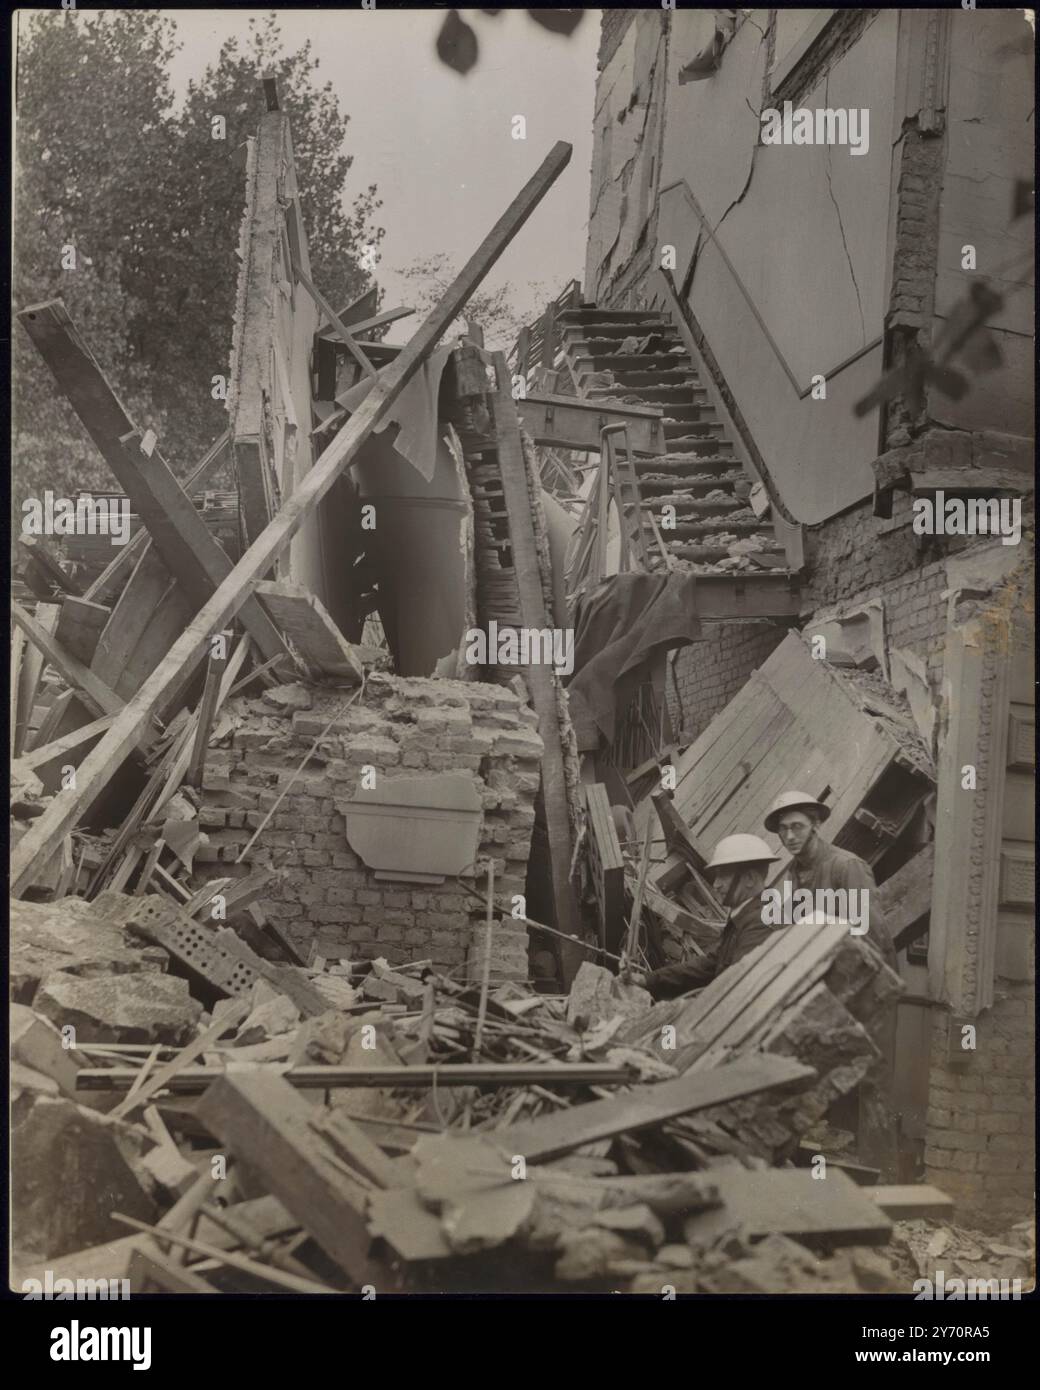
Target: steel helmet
x=740, y=849
x=794, y=801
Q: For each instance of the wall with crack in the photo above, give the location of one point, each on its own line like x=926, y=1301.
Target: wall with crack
x=629, y=101
x=793, y=250
x=990, y=134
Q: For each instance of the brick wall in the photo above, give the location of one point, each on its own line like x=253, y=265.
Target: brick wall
x=326, y=900
x=856, y=556
x=980, y=1136
x=708, y=674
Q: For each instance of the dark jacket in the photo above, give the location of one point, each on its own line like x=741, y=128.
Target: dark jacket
x=743, y=932
x=828, y=867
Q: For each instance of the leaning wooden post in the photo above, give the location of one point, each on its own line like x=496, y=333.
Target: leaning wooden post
x=542, y=681
x=485, y=977
x=175, y=670
x=218, y=659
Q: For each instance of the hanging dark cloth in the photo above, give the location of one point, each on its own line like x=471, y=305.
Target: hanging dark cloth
x=618, y=627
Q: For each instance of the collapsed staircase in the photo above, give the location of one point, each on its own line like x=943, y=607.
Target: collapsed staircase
x=635, y=356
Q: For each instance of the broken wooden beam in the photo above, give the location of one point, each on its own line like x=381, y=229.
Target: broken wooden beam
x=911, y=1201
x=365, y=325
x=644, y=1106
x=266, y=1125
x=114, y=576
x=302, y=617
x=906, y=896
x=228, y=1020
x=192, y=1080
x=25, y=681
x=568, y=422
x=541, y=680
x=80, y=625
x=176, y=669
x=207, y=713
x=194, y=557
x=345, y=335
x=94, y=693
x=791, y=1202
x=606, y=865
x=36, y=551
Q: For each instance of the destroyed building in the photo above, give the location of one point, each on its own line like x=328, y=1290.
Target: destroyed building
x=298, y=811
x=875, y=264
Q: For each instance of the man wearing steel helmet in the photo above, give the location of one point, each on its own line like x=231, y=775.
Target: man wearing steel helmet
x=796, y=817
x=819, y=867
x=739, y=868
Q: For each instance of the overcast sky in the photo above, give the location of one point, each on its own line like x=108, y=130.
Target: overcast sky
x=437, y=144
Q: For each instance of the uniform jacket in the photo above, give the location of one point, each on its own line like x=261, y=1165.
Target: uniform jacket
x=829, y=867
x=744, y=930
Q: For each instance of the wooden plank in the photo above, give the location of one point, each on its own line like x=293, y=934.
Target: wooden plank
x=266, y=1125
x=206, y=714
x=18, y=650
x=309, y=626
x=94, y=693
x=192, y=1080
x=108, y=583
x=148, y=1267
x=39, y=551
x=132, y=616
x=541, y=680
x=568, y=422
x=907, y=895
x=273, y=1275
x=230, y=1017
x=173, y=673
x=911, y=1201
x=167, y=621
x=364, y=325
x=194, y=557
x=781, y=969
x=791, y=1202
x=29, y=674
x=80, y=625
x=645, y=1106
x=606, y=863
x=345, y=336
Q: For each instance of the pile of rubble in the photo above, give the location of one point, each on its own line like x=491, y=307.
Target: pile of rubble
x=355, y=1122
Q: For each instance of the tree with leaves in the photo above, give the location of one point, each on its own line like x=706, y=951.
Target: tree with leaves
x=151, y=204
x=496, y=311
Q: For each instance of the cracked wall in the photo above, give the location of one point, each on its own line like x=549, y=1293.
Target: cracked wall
x=791, y=278
x=629, y=97
x=989, y=144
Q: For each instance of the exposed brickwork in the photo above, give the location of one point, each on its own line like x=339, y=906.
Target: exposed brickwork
x=857, y=556
x=980, y=1137
x=327, y=899
x=909, y=318
x=709, y=673
x=845, y=30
